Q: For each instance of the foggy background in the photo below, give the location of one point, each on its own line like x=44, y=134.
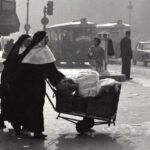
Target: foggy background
x=98, y=11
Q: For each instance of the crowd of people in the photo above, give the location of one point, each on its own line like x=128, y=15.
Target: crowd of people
x=98, y=59
x=29, y=63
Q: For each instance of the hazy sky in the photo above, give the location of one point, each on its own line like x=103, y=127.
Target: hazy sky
x=62, y=9
x=67, y=10
x=35, y=13
x=99, y=11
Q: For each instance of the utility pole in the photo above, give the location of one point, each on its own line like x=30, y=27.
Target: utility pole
x=27, y=25
x=44, y=20
x=130, y=7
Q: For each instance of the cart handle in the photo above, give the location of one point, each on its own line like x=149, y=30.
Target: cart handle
x=54, y=93
x=53, y=89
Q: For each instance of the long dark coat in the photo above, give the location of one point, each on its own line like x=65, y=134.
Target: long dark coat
x=110, y=51
x=27, y=92
x=126, y=55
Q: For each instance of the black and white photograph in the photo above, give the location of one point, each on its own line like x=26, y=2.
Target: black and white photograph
x=74, y=75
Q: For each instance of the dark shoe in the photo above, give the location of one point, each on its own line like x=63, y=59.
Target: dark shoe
x=129, y=78
x=2, y=125
x=39, y=136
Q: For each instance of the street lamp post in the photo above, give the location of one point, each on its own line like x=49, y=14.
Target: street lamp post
x=27, y=25
x=130, y=7
x=27, y=11
x=47, y=11
x=44, y=20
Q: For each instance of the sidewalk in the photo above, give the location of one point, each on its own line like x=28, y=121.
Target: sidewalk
x=132, y=130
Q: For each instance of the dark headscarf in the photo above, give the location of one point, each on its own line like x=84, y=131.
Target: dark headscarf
x=15, y=49
x=12, y=61
x=37, y=37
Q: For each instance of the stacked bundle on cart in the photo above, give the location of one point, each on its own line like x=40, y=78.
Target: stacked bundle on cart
x=91, y=96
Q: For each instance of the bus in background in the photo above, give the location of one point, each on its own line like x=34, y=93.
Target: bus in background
x=116, y=31
x=70, y=41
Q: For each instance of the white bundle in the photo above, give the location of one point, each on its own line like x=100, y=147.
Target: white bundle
x=87, y=83
x=105, y=84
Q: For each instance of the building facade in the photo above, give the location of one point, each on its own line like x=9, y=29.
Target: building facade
x=9, y=21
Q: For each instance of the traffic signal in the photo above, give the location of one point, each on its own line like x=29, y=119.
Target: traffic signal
x=50, y=5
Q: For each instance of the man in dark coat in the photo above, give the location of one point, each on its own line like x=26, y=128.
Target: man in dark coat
x=110, y=51
x=126, y=55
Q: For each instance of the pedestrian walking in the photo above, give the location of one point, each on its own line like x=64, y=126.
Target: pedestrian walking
x=10, y=66
x=37, y=64
x=96, y=55
x=126, y=55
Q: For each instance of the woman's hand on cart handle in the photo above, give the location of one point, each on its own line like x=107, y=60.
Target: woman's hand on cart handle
x=66, y=85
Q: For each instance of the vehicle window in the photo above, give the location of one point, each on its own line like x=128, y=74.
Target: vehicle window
x=52, y=35
x=71, y=35
x=83, y=34
x=82, y=31
x=56, y=36
x=146, y=46
x=59, y=36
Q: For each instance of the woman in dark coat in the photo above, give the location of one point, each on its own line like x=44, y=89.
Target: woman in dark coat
x=10, y=66
x=37, y=64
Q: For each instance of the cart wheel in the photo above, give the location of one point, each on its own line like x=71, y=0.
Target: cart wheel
x=89, y=122
x=81, y=127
